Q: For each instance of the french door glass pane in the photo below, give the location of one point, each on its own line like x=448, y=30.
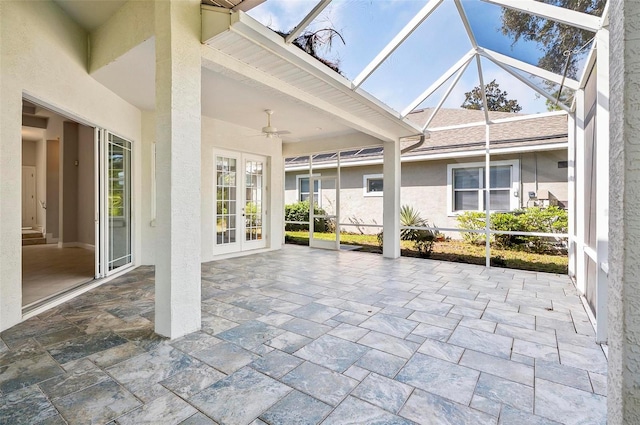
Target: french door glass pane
x=119, y=201
x=226, y=197
x=253, y=200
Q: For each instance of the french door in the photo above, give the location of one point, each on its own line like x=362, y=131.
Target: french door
x=114, y=226
x=240, y=202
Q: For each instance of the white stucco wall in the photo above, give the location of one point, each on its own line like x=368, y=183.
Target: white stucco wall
x=623, y=383
x=424, y=186
x=218, y=134
x=147, y=208
x=43, y=55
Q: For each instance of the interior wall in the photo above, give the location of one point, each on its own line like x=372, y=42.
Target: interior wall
x=53, y=190
x=41, y=183
x=86, y=187
x=227, y=136
x=70, y=183
x=53, y=71
x=29, y=153
x=54, y=135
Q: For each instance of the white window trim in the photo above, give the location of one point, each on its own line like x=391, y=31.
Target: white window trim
x=515, y=182
x=365, y=184
x=306, y=176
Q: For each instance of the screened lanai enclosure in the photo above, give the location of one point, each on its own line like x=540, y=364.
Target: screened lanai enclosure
x=466, y=169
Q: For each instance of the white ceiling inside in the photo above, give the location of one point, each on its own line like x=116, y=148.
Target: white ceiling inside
x=230, y=100
x=32, y=134
x=132, y=77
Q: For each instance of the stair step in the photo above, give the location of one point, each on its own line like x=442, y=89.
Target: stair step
x=34, y=241
x=34, y=235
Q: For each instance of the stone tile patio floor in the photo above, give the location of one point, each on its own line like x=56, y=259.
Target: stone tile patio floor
x=304, y=336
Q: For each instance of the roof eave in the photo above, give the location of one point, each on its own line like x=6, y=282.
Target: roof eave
x=217, y=20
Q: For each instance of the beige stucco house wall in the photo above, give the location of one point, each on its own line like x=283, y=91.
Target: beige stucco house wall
x=424, y=186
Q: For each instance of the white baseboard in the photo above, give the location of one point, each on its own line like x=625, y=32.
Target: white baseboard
x=76, y=245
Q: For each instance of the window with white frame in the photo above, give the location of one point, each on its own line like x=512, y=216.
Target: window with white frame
x=303, y=188
x=372, y=184
x=466, y=186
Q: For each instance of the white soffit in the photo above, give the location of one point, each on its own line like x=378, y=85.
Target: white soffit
x=133, y=75
x=239, y=36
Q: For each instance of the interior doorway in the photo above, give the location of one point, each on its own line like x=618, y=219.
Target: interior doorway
x=82, y=227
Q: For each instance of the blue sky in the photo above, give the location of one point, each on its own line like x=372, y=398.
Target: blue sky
x=440, y=41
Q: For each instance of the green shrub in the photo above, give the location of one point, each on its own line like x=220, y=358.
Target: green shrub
x=508, y=222
x=300, y=212
x=422, y=239
x=539, y=220
x=472, y=220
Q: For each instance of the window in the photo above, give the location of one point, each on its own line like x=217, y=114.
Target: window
x=372, y=184
x=466, y=184
x=303, y=189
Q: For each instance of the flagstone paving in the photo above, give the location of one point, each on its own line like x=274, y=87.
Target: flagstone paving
x=302, y=336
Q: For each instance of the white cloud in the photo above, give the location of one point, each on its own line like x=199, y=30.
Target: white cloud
x=282, y=15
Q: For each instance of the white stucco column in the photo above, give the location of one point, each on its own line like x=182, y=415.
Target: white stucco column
x=623, y=388
x=391, y=200
x=178, y=134
x=10, y=200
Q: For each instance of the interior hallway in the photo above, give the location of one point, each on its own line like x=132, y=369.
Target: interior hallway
x=48, y=270
x=313, y=336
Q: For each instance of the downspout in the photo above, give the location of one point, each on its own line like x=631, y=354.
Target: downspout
x=423, y=137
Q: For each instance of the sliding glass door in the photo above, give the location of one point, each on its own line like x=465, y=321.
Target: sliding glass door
x=114, y=224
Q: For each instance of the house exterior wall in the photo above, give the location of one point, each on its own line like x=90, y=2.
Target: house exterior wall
x=424, y=187
x=43, y=56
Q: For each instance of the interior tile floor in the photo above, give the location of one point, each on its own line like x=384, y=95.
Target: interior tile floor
x=304, y=336
x=48, y=270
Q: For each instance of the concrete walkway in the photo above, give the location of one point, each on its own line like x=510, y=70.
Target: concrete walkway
x=304, y=336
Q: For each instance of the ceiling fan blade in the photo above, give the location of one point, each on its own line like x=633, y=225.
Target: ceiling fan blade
x=284, y=132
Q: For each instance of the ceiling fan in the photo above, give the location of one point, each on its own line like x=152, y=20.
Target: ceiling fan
x=269, y=131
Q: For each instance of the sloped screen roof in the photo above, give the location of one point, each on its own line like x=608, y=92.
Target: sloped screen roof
x=423, y=54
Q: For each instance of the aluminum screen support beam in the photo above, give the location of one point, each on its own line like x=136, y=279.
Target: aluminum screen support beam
x=553, y=13
x=467, y=25
x=531, y=69
x=397, y=41
x=483, y=91
x=463, y=62
x=446, y=95
x=306, y=21
x=533, y=86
